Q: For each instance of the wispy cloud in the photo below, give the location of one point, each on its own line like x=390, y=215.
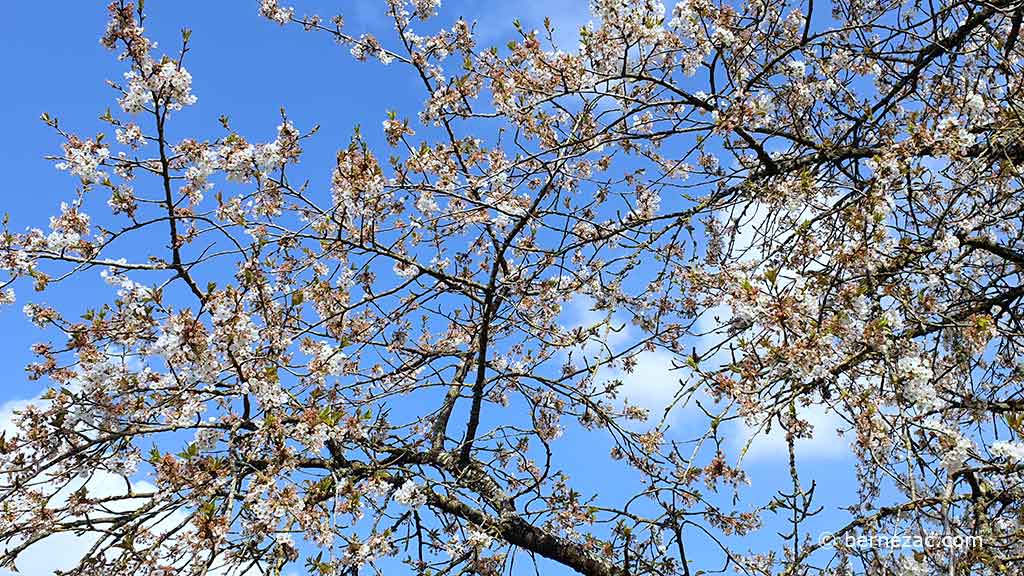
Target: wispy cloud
x=64, y=550
x=495, y=19
x=755, y=441
x=654, y=382
x=824, y=444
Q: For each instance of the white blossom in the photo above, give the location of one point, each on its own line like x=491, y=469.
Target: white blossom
x=405, y=270
x=130, y=135
x=910, y=566
x=917, y=377
x=953, y=134
x=723, y=37
x=795, y=68
x=478, y=539
x=206, y=439
x=1010, y=450
x=426, y=8
x=272, y=10
x=975, y=104
x=947, y=243
x=167, y=81
x=410, y=494
x=83, y=159
x=425, y=202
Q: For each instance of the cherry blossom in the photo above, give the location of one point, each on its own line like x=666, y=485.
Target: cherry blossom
x=689, y=231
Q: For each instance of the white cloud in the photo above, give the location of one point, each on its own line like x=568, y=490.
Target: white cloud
x=654, y=382
x=60, y=552
x=824, y=443
x=7, y=410
x=63, y=551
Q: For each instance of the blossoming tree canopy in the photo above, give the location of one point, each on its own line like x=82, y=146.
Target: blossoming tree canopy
x=771, y=210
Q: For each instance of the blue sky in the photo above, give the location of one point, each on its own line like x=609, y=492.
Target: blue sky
x=248, y=68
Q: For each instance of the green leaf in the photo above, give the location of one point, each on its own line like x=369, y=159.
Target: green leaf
x=208, y=509
x=191, y=451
